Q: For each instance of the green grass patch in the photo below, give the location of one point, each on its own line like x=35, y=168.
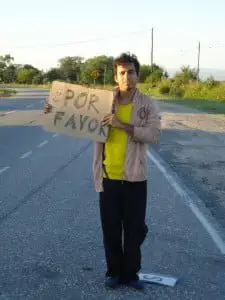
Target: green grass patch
x=6, y=92
x=18, y=85
x=203, y=96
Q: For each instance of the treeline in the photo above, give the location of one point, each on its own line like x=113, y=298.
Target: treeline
x=99, y=70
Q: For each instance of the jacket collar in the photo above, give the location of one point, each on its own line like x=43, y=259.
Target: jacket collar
x=134, y=98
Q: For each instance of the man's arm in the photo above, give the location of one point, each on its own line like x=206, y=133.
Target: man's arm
x=150, y=132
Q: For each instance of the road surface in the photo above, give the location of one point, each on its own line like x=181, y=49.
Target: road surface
x=50, y=234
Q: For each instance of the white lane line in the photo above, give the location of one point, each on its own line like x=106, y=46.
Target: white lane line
x=2, y=170
x=10, y=112
x=55, y=135
x=205, y=223
x=28, y=153
x=42, y=144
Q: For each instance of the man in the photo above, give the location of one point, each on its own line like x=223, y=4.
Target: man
x=120, y=174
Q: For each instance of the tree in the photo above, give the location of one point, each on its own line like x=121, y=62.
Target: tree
x=26, y=75
x=186, y=75
x=52, y=74
x=70, y=68
x=38, y=78
x=145, y=71
x=156, y=75
x=9, y=74
x=5, y=62
x=101, y=64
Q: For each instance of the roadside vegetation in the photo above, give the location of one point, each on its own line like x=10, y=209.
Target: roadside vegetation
x=6, y=92
x=182, y=88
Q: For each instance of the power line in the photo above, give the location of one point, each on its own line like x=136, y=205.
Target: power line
x=79, y=42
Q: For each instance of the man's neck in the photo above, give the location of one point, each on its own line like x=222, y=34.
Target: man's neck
x=126, y=96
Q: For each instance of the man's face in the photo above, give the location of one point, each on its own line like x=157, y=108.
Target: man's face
x=126, y=77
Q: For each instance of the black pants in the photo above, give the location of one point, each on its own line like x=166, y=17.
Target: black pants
x=122, y=210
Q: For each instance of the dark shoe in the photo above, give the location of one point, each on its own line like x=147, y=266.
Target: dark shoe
x=137, y=284
x=112, y=282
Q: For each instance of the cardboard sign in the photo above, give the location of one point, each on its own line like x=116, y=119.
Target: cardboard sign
x=78, y=111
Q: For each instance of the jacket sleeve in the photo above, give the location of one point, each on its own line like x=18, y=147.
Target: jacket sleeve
x=150, y=132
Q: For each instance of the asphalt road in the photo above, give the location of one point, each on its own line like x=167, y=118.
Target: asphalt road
x=50, y=235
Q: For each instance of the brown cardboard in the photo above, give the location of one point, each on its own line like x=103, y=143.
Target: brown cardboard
x=78, y=111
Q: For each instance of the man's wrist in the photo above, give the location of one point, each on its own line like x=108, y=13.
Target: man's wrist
x=128, y=128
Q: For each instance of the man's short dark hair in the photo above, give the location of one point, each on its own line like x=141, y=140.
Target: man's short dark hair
x=126, y=58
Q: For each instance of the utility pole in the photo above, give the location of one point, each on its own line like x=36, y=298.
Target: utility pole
x=105, y=67
x=198, y=68
x=152, y=50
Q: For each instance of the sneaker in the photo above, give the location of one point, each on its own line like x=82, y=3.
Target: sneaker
x=137, y=284
x=112, y=282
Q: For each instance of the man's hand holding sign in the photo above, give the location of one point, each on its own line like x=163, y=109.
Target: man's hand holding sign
x=112, y=120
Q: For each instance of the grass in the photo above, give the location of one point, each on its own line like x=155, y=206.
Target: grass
x=211, y=100
x=6, y=92
x=20, y=85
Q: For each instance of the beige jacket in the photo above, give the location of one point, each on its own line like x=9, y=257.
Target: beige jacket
x=147, y=126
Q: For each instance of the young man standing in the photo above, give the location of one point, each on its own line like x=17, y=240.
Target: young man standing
x=120, y=174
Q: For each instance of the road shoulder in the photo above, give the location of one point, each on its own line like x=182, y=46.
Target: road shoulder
x=193, y=145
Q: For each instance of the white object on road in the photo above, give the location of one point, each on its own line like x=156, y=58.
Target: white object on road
x=189, y=202
x=26, y=154
x=4, y=169
x=158, y=278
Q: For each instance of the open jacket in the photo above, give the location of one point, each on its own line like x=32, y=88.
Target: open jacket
x=147, y=126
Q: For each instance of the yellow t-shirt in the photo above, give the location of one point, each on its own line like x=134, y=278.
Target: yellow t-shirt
x=115, y=147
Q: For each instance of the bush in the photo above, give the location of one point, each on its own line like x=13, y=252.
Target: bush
x=176, y=91
x=211, y=82
x=201, y=90
x=164, y=89
x=154, y=78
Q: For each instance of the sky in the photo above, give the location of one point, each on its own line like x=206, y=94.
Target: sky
x=41, y=32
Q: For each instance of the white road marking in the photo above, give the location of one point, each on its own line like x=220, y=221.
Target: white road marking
x=42, y=144
x=4, y=169
x=55, y=135
x=205, y=223
x=28, y=153
x=10, y=112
